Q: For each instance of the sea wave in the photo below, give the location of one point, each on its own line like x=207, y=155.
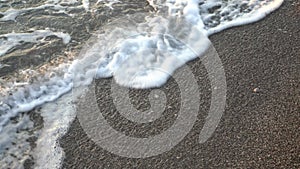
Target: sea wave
x=130, y=50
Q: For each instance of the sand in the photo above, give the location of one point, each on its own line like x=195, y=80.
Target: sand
x=260, y=125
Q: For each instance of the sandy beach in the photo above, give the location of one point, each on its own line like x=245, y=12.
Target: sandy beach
x=259, y=129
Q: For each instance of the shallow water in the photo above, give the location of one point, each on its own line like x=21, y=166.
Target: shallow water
x=40, y=58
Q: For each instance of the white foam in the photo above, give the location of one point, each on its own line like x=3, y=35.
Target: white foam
x=57, y=6
x=234, y=13
x=14, y=148
x=11, y=14
x=108, y=3
x=151, y=52
x=86, y=4
x=146, y=54
x=3, y=65
x=56, y=124
x=68, y=2
x=10, y=40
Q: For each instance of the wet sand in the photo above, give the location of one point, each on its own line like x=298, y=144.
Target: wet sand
x=258, y=129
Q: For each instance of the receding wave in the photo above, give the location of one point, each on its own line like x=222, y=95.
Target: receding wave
x=133, y=50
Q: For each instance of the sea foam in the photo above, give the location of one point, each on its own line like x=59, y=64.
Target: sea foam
x=140, y=51
x=10, y=40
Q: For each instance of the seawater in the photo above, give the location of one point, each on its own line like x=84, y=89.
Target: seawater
x=132, y=50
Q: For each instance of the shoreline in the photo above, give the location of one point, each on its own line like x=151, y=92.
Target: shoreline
x=258, y=129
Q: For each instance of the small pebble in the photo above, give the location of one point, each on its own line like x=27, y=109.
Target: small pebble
x=256, y=90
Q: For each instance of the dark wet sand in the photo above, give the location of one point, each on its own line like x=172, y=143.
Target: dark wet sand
x=257, y=130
